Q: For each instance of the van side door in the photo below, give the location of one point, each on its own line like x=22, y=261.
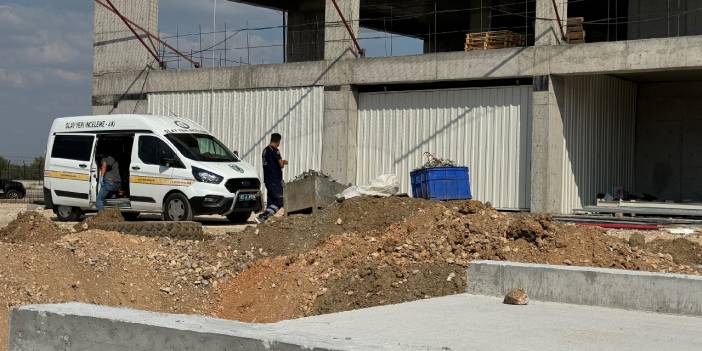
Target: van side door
x=68, y=169
x=150, y=178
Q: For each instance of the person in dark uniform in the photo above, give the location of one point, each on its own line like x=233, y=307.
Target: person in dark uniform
x=111, y=180
x=273, y=165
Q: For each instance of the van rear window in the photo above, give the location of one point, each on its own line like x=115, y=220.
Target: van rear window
x=73, y=147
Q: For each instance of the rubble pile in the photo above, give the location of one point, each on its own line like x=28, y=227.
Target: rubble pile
x=360, y=253
x=423, y=256
x=32, y=228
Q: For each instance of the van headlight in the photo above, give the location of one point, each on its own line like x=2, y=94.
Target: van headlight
x=204, y=176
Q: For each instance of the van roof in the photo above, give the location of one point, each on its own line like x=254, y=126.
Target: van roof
x=132, y=122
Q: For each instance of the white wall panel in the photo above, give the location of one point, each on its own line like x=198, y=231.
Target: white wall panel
x=487, y=129
x=599, y=129
x=245, y=119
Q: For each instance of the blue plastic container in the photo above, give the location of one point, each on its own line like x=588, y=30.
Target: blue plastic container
x=441, y=183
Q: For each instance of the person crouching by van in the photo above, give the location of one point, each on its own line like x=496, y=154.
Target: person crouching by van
x=111, y=180
x=273, y=165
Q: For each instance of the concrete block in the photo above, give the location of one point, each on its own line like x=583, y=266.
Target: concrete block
x=312, y=192
x=631, y=290
x=74, y=326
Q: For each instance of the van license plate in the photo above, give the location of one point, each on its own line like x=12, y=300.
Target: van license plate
x=247, y=197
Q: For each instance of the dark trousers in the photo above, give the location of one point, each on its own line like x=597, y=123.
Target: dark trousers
x=275, y=199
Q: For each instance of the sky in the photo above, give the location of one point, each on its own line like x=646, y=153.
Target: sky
x=46, y=57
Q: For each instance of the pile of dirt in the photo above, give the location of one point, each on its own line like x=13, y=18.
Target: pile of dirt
x=684, y=252
x=299, y=233
x=424, y=255
x=113, y=269
x=108, y=215
x=31, y=227
x=361, y=253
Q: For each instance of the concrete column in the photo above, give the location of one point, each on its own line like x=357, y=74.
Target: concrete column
x=547, y=148
x=546, y=26
x=305, y=34
x=338, y=42
x=117, y=50
x=339, y=145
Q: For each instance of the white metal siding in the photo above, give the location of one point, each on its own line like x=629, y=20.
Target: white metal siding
x=487, y=129
x=245, y=119
x=599, y=128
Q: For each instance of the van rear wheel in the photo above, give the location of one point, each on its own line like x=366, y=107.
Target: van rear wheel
x=177, y=208
x=68, y=213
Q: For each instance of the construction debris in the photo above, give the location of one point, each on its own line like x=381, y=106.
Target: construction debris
x=31, y=227
x=360, y=253
x=413, y=258
x=434, y=162
x=111, y=219
x=517, y=297
x=108, y=215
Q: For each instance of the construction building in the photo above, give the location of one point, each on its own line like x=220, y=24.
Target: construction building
x=545, y=123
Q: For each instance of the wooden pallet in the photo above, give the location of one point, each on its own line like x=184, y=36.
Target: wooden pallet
x=575, y=33
x=493, y=40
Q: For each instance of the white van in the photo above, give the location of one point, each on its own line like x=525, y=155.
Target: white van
x=168, y=165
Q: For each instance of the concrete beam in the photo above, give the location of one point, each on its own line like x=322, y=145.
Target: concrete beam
x=595, y=58
x=631, y=290
x=74, y=326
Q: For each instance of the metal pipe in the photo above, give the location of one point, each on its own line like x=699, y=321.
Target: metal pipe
x=137, y=26
x=558, y=18
x=360, y=50
x=146, y=46
x=285, y=39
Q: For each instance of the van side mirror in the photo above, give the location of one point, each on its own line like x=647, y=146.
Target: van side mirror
x=236, y=154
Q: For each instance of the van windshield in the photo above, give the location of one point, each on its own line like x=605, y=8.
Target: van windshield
x=201, y=147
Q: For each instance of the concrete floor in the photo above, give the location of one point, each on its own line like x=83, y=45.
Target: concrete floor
x=469, y=322
x=213, y=225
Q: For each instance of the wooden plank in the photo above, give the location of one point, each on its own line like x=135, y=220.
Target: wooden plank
x=575, y=35
x=576, y=20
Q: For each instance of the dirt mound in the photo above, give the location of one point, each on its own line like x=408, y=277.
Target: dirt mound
x=297, y=234
x=422, y=256
x=108, y=268
x=683, y=251
x=108, y=215
x=381, y=285
x=31, y=227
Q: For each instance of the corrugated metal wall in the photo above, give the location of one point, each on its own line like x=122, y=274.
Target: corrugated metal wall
x=245, y=119
x=599, y=120
x=487, y=129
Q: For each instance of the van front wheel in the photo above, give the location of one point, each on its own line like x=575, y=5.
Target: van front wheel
x=68, y=213
x=177, y=208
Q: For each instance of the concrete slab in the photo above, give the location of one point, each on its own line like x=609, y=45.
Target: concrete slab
x=642, y=291
x=75, y=326
x=470, y=322
x=460, y=322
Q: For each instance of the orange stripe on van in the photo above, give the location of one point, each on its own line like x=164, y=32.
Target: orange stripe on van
x=67, y=175
x=159, y=181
